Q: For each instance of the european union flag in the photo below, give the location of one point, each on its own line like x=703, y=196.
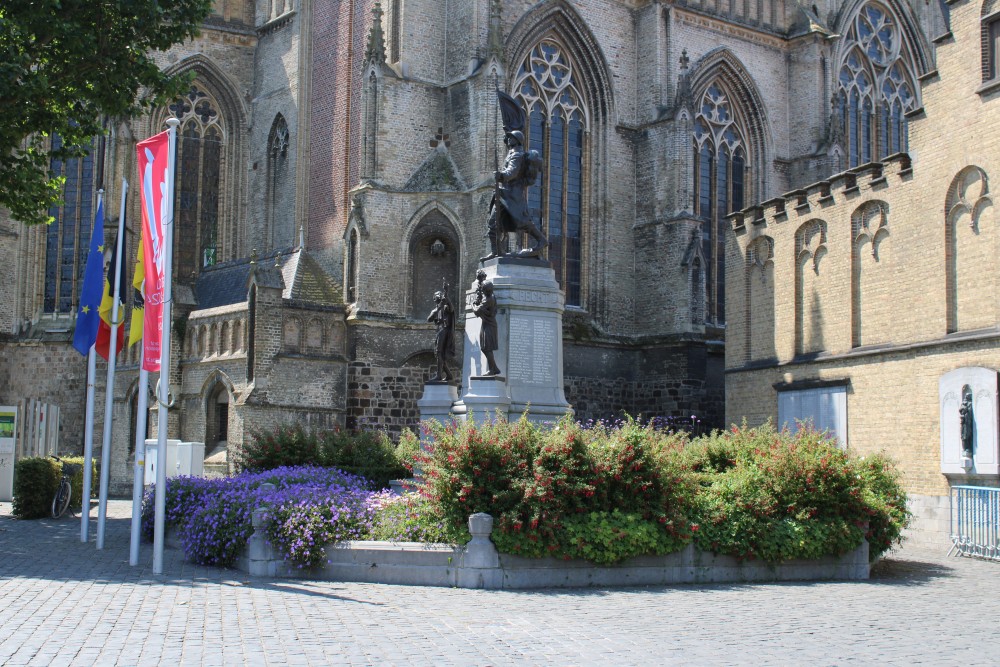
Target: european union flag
x=87, y=317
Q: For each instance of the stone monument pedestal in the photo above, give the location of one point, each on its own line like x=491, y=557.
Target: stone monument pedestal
x=437, y=402
x=530, y=358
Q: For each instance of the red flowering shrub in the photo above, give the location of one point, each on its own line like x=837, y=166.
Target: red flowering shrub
x=779, y=496
x=599, y=494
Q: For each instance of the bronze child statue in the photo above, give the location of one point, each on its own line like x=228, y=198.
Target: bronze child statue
x=443, y=316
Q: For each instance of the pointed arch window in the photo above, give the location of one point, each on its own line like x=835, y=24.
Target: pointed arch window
x=558, y=128
x=67, y=238
x=874, y=87
x=280, y=202
x=200, y=152
x=720, y=165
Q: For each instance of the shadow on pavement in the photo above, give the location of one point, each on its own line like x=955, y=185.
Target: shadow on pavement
x=908, y=572
x=50, y=549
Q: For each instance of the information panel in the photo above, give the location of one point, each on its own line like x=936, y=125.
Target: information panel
x=8, y=429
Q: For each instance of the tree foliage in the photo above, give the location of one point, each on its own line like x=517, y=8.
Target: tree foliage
x=65, y=66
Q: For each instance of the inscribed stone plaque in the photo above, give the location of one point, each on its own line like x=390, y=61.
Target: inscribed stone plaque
x=532, y=354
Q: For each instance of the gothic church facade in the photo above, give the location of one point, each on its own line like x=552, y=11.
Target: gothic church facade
x=335, y=166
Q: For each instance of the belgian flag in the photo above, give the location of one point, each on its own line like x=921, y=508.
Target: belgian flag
x=103, y=343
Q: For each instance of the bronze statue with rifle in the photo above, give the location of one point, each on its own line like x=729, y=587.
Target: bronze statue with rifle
x=509, y=210
x=443, y=316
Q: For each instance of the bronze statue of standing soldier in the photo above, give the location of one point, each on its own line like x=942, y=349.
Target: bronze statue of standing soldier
x=443, y=316
x=509, y=212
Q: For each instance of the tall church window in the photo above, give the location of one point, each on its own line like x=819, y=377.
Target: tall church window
x=67, y=238
x=200, y=144
x=874, y=87
x=720, y=163
x=991, y=39
x=352, y=267
x=558, y=129
x=280, y=204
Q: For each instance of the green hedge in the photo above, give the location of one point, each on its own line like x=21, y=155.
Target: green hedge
x=36, y=480
x=369, y=454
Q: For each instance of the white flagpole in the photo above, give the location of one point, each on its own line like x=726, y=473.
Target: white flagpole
x=109, y=397
x=140, y=461
x=88, y=440
x=88, y=430
x=163, y=386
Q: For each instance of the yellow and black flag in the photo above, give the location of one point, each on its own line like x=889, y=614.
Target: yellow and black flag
x=138, y=303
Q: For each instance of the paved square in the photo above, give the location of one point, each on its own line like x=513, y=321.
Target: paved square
x=65, y=603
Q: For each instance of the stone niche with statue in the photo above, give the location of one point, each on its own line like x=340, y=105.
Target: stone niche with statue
x=969, y=426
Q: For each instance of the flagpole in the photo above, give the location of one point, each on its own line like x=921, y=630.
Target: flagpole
x=142, y=405
x=109, y=397
x=163, y=386
x=88, y=430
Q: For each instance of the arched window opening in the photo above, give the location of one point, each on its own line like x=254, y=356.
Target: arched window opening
x=720, y=163
x=67, y=238
x=558, y=129
x=352, y=267
x=371, y=126
x=874, y=87
x=280, y=197
x=201, y=137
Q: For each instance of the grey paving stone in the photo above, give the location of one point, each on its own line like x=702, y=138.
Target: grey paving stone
x=64, y=602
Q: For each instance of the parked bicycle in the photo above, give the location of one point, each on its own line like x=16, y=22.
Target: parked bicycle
x=65, y=491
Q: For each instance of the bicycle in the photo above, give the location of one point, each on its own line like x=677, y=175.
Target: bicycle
x=60, y=503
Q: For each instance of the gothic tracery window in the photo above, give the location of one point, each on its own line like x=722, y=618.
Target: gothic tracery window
x=67, y=238
x=200, y=148
x=558, y=129
x=720, y=162
x=875, y=87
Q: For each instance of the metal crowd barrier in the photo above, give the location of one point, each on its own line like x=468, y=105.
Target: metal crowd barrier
x=975, y=521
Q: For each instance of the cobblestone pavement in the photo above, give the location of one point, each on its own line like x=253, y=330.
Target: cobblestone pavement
x=66, y=603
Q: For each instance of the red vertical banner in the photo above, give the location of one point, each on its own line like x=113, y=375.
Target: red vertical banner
x=154, y=165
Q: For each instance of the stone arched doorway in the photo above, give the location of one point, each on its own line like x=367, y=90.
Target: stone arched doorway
x=217, y=429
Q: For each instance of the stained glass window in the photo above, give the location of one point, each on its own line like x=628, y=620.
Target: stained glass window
x=874, y=87
x=200, y=144
x=67, y=239
x=557, y=128
x=719, y=189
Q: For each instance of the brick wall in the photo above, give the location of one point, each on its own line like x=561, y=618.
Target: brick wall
x=887, y=302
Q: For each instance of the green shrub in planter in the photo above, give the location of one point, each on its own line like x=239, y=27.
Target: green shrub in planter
x=370, y=454
x=35, y=482
x=777, y=496
x=286, y=445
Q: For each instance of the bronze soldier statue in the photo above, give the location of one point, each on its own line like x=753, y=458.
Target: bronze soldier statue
x=509, y=210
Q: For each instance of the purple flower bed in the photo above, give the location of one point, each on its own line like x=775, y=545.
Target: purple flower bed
x=309, y=507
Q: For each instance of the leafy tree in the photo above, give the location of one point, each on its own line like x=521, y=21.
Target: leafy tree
x=65, y=65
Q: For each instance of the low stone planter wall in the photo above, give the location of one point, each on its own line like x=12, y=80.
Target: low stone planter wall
x=478, y=565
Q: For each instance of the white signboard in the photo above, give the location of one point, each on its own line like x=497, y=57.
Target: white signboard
x=825, y=408
x=8, y=427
